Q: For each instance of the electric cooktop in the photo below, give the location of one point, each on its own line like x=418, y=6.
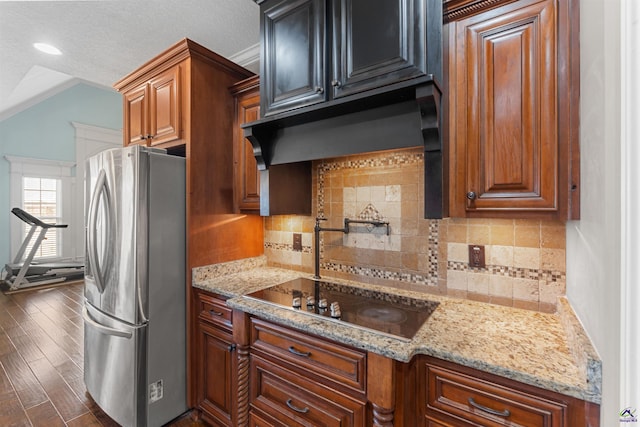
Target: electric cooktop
x=394, y=315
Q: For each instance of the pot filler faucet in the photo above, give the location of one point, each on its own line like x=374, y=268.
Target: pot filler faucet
x=317, y=229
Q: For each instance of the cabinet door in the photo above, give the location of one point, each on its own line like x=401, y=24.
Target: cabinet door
x=293, y=54
x=247, y=178
x=503, y=92
x=376, y=46
x=135, y=116
x=164, y=107
x=215, y=367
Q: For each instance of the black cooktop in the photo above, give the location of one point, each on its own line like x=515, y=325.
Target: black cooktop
x=394, y=315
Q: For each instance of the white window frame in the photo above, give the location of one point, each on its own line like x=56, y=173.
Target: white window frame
x=21, y=167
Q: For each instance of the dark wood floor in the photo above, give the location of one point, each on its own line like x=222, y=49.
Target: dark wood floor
x=41, y=361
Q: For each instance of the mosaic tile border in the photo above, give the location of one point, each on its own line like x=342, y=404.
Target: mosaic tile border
x=390, y=160
x=513, y=272
x=376, y=273
x=286, y=247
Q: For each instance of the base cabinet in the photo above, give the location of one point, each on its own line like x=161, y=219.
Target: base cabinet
x=216, y=366
x=287, y=399
x=301, y=380
x=254, y=372
x=454, y=396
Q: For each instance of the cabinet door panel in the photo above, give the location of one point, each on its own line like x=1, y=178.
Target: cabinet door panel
x=248, y=111
x=293, y=55
x=505, y=101
x=376, y=46
x=165, y=107
x=135, y=116
x=215, y=391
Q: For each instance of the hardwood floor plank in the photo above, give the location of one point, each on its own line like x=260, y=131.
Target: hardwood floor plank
x=66, y=402
x=12, y=413
x=26, y=385
x=6, y=346
x=27, y=348
x=45, y=415
x=86, y=420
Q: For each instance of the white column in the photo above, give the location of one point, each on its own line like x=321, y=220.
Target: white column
x=630, y=212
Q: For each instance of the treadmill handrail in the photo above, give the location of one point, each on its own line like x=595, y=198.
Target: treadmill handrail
x=32, y=220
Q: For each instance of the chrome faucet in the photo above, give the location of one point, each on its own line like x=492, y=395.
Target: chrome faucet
x=317, y=229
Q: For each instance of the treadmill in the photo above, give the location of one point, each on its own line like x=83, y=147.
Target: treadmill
x=26, y=274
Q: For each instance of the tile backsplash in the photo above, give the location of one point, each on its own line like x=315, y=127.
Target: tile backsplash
x=525, y=259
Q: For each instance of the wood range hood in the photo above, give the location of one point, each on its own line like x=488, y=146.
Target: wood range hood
x=406, y=115
x=352, y=88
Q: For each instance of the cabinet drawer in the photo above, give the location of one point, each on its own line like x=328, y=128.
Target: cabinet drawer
x=287, y=399
x=458, y=399
x=214, y=310
x=322, y=359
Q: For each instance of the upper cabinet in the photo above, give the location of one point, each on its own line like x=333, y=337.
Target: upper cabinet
x=246, y=187
x=152, y=110
x=376, y=46
x=293, y=54
x=512, y=109
x=318, y=50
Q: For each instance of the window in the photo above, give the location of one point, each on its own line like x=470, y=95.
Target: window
x=40, y=198
x=43, y=188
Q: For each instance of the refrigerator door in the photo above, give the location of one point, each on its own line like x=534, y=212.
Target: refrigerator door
x=116, y=212
x=114, y=366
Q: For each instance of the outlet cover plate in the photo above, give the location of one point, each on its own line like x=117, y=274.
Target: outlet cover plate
x=476, y=256
x=297, y=242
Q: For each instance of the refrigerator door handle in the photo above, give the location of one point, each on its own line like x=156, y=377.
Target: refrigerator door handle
x=92, y=248
x=102, y=328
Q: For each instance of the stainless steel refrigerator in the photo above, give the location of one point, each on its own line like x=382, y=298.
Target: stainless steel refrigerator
x=134, y=314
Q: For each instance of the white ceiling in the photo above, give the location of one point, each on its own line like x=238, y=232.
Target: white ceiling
x=104, y=40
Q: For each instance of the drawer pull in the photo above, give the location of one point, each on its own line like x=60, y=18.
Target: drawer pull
x=299, y=353
x=482, y=408
x=297, y=409
x=215, y=313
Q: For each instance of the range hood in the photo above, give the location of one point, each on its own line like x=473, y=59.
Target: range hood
x=397, y=106
x=408, y=116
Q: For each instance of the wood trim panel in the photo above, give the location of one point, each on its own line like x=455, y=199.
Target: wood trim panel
x=453, y=10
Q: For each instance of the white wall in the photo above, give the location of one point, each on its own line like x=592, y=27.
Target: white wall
x=596, y=276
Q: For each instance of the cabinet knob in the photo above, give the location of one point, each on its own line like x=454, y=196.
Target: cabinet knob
x=142, y=137
x=336, y=83
x=149, y=136
x=319, y=89
x=471, y=195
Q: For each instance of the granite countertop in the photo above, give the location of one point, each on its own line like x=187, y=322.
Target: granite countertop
x=550, y=351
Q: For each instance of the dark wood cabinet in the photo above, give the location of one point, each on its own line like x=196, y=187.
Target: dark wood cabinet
x=215, y=367
x=319, y=50
x=293, y=54
x=376, y=46
x=512, y=125
x=451, y=395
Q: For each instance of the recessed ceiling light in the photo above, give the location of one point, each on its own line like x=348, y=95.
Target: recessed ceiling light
x=47, y=48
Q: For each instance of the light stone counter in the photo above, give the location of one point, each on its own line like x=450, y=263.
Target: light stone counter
x=550, y=351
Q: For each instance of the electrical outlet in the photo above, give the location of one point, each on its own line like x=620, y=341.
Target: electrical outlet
x=476, y=256
x=297, y=242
